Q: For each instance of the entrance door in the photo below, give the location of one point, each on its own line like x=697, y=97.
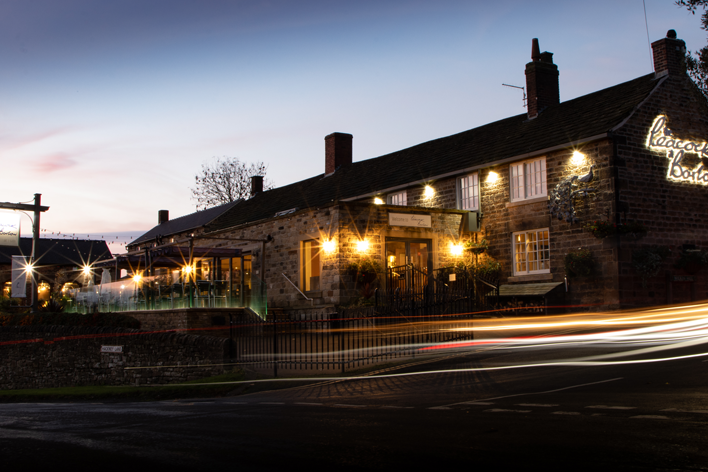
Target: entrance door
x=410, y=263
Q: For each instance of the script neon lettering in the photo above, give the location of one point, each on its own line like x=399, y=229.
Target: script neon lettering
x=661, y=139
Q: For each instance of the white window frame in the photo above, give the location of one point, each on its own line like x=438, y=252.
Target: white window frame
x=527, y=179
x=468, y=192
x=531, y=252
x=398, y=198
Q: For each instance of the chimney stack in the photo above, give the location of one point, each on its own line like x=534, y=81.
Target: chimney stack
x=541, y=81
x=256, y=185
x=669, y=55
x=163, y=216
x=338, y=151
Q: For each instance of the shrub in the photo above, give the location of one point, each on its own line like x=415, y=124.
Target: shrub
x=579, y=263
x=648, y=261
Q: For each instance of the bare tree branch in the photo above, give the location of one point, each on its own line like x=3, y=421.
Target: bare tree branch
x=697, y=63
x=226, y=180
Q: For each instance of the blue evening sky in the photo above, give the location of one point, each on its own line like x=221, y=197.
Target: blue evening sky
x=109, y=108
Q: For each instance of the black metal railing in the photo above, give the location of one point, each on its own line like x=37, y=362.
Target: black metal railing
x=412, y=292
x=337, y=342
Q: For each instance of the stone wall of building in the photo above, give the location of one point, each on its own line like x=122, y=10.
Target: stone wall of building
x=60, y=356
x=673, y=211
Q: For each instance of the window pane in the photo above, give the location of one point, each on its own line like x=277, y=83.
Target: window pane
x=469, y=192
x=520, y=252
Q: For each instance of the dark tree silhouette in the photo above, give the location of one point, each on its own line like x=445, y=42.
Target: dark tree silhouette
x=226, y=180
x=697, y=63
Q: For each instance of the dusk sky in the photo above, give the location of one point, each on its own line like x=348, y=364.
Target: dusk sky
x=109, y=108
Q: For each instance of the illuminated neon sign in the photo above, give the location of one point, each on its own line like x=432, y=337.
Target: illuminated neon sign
x=661, y=138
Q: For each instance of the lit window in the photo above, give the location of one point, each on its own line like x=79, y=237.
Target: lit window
x=532, y=252
x=400, y=198
x=310, y=264
x=528, y=179
x=468, y=192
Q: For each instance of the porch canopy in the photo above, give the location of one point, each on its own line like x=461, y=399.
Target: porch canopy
x=170, y=257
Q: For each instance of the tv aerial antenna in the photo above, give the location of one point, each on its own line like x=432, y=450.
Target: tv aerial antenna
x=523, y=90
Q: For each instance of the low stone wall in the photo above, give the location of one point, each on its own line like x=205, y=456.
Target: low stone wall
x=61, y=356
x=202, y=321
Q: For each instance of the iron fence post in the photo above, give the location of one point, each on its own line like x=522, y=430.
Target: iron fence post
x=275, y=347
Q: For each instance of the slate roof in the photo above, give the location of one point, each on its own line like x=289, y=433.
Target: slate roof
x=584, y=117
x=185, y=223
x=73, y=252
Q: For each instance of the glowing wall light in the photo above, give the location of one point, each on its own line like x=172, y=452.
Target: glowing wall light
x=492, y=177
x=86, y=270
x=137, y=278
x=29, y=268
x=187, y=269
x=362, y=246
x=329, y=246
x=456, y=249
x=378, y=201
x=429, y=192
x=578, y=158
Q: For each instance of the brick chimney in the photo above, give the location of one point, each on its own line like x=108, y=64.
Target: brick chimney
x=338, y=151
x=256, y=185
x=163, y=216
x=669, y=55
x=541, y=81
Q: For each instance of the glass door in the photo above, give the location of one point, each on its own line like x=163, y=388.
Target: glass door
x=409, y=263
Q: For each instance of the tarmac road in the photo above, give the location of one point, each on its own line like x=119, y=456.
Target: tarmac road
x=616, y=417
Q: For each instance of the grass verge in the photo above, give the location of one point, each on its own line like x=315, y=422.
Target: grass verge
x=162, y=392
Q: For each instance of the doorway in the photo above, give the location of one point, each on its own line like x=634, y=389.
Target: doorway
x=409, y=263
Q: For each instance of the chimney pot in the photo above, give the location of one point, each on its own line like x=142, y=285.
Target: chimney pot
x=669, y=55
x=163, y=216
x=535, y=50
x=338, y=151
x=256, y=185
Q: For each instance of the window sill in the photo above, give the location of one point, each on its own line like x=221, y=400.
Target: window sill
x=530, y=277
x=526, y=202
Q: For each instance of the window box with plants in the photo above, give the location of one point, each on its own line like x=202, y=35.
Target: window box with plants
x=603, y=229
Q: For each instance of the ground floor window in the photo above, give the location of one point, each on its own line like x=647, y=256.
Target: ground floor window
x=532, y=252
x=310, y=265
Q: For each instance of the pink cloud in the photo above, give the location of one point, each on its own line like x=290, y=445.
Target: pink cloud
x=54, y=162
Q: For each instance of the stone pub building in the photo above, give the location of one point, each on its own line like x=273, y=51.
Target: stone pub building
x=625, y=163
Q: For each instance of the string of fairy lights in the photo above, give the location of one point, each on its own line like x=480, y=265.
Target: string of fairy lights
x=119, y=240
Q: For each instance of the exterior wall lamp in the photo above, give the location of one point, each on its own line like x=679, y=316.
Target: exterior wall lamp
x=329, y=246
x=362, y=245
x=577, y=159
x=456, y=249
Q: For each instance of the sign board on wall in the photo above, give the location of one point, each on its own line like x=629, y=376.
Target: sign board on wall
x=112, y=349
x=408, y=219
x=19, y=277
x=661, y=138
x=9, y=228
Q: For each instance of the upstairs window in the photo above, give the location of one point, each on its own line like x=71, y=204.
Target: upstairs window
x=468, y=192
x=400, y=198
x=532, y=252
x=528, y=179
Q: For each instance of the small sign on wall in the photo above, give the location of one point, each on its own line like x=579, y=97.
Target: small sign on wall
x=9, y=228
x=408, y=219
x=112, y=349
